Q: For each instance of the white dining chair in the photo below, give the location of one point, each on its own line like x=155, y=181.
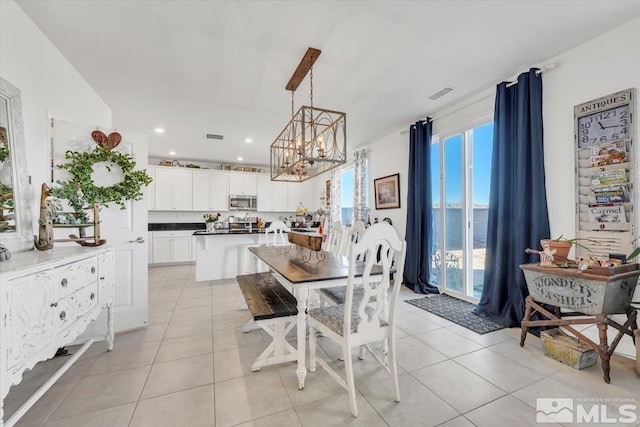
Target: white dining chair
x=277, y=230
x=336, y=240
x=336, y=294
x=372, y=318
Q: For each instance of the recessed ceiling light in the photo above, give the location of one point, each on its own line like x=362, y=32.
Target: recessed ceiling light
x=248, y=140
x=159, y=130
x=240, y=159
x=172, y=153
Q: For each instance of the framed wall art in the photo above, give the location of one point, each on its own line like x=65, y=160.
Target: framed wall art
x=387, y=192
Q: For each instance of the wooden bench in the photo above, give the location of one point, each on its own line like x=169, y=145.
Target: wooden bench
x=275, y=310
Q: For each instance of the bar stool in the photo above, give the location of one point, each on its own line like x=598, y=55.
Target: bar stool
x=244, y=254
x=278, y=229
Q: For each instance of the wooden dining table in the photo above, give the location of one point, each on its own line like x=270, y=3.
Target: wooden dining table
x=303, y=270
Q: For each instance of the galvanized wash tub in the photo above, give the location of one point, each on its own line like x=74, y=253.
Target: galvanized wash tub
x=607, y=292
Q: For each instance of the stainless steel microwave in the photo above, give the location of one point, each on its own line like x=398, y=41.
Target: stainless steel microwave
x=243, y=203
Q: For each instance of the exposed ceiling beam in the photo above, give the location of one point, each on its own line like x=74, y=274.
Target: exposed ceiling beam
x=303, y=68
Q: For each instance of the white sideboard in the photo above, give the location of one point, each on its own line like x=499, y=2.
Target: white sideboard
x=47, y=299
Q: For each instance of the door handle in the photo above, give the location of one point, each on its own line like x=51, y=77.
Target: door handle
x=138, y=240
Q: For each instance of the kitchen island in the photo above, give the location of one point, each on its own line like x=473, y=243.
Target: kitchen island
x=220, y=253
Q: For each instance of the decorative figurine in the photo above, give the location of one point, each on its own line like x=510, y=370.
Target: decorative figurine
x=44, y=240
x=546, y=255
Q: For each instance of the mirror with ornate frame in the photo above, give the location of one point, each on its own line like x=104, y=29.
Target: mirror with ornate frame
x=16, y=226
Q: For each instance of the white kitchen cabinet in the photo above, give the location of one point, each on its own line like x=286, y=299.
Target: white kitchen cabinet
x=162, y=250
x=173, y=189
x=264, y=193
x=182, y=249
x=173, y=246
x=301, y=192
x=210, y=190
x=220, y=191
x=279, y=196
x=243, y=183
x=201, y=191
x=163, y=197
x=151, y=189
x=272, y=195
x=182, y=183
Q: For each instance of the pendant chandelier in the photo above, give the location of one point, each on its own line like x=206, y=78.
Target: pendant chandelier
x=314, y=141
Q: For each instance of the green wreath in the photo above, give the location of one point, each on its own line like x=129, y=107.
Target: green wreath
x=81, y=191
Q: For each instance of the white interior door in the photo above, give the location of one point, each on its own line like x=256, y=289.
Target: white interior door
x=125, y=229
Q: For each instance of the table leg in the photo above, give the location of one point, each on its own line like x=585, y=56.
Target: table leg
x=604, y=352
x=527, y=315
x=302, y=295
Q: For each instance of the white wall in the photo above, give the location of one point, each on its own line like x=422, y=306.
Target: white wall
x=606, y=64
x=388, y=156
x=50, y=86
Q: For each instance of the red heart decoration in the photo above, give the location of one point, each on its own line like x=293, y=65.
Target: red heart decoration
x=109, y=142
x=113, y=140
x=99, y=137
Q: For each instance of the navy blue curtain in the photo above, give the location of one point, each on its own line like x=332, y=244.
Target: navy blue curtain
x=419, y=236
x=518, y=216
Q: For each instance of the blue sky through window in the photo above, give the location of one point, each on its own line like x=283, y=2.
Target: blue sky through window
x=346, y=186
x=482, y=145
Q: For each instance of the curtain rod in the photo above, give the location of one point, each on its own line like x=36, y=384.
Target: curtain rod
x=489, y=93
x=544, y=69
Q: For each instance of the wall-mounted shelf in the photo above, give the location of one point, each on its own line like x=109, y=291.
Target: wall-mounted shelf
x=44, y=241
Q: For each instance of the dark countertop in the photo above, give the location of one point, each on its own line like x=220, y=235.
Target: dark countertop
x=226, y=232
x=173, y=226
x=253, y=231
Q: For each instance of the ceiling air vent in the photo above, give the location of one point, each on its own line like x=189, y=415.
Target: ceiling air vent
x=213, y=136
x=442, y=92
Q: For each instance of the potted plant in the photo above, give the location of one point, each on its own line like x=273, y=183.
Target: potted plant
x=210, y=220
x=563, y=246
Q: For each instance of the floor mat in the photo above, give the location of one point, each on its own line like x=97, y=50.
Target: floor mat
x=456, y=311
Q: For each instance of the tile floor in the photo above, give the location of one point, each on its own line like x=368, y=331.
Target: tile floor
x=190, y=367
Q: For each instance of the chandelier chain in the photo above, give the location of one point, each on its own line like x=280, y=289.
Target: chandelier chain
x=311, y=83
x=313, y=125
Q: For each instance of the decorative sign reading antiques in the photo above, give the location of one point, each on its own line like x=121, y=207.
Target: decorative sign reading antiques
x=604, y=159
x=604, y=120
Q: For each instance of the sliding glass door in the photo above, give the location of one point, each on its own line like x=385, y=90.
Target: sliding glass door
x=461, y=175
